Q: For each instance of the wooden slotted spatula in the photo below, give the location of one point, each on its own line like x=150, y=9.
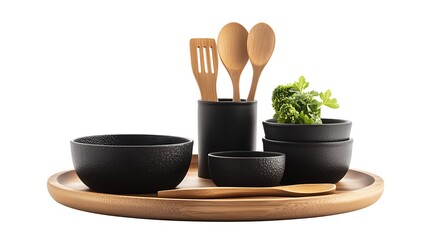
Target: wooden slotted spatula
x=298, y=190
x=204, y=62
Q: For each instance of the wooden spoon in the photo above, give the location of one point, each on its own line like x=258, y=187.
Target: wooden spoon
x=260, y=47
x=298, y=190
x=231, y=43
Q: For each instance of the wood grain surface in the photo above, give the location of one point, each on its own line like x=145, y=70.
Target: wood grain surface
x=358, y=189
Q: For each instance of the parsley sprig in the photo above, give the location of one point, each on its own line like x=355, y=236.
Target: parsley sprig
x=294, y=105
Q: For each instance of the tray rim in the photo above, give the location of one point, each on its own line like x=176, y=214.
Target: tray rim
x=110, y=204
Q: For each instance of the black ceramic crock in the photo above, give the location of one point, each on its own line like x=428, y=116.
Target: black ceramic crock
x=224, y=126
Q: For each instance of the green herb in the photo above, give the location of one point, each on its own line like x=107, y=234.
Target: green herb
x=293, y=105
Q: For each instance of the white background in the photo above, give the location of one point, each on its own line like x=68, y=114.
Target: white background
x=76, y=68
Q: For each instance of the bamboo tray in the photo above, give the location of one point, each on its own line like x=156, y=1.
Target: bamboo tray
x=355, y=191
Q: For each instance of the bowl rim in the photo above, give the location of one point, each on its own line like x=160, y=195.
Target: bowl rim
x=309, y=143
x=183, y=140
x=335, y=122
x=262, y=154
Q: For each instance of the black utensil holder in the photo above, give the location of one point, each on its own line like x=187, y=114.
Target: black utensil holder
x=225, y=126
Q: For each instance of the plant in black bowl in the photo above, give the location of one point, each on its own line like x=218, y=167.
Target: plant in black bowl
x=317, y=149
x=294, y=105
x=298, y=115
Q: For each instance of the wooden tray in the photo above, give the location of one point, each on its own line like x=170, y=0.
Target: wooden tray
x=356, y=190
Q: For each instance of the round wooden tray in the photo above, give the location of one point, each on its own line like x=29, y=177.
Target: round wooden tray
x=356, y=190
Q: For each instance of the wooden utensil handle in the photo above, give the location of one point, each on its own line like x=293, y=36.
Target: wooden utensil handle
x=235, y=76
x=219, y=192
x=256, y=74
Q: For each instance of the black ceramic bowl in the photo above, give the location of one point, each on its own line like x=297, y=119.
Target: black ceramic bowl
x=246, y=168
x=330, y=130
x=131, y=163
x=313, y=162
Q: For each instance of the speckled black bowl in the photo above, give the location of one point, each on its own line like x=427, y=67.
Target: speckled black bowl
x=131, y=163
x=246, y=168
x=330, y=130
x=313, y=162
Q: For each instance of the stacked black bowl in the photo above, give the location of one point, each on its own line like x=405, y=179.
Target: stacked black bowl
x=316, y=153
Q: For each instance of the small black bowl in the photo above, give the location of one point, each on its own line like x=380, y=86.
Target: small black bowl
x=330, y=130
x=313, y=162
x=246, y=168
x=131, y=163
